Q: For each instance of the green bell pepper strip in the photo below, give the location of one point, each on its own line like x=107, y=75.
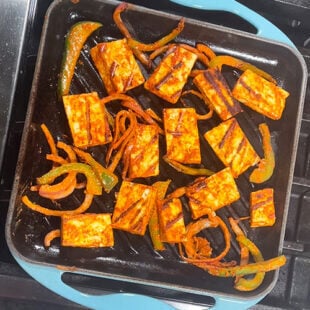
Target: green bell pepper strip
x=107, y=178
x=93, y=185
x=74, y=42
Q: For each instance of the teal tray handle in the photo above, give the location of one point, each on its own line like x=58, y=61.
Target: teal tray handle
x=265, y=28
x=51, y=278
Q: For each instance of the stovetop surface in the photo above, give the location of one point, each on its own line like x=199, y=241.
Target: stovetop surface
x=19, y=291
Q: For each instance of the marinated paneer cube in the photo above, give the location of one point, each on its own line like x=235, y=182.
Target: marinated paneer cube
x=260, y=95
x=144, y=152
x=133, y=207
x=212, y=193
x=172, y=228
x=87, y=230
x=182, y=137
x=213, y=86
x=87, y=120
x=232, y=146
x=117, y=66
x=170, y=76
x=262, y=210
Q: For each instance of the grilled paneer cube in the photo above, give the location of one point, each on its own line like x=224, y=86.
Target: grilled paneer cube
x=133, y=207
x=213, y=86
x=182, y=137
x=87, y=230
x=260, y=95
x=210, y=194
x=232, y=146
x=87, y=120
x=144, y=153
x=262, y=210
x=169, y=78
x=172, y=228
x=117, y=66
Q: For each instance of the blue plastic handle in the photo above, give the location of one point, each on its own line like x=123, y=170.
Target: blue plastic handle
x=51, y=278
x=265, y=28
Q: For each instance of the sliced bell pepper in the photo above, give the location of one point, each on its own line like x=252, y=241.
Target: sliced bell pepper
x=219, y=61
x=93, y=185
x=266, y=166
x=75, y=40
x=107, y=178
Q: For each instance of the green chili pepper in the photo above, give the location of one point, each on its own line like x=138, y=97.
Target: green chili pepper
x=75, y=40
x=93, y=185
x=107, y=178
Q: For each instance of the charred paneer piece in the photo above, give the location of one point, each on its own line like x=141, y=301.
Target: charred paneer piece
x=260, y=95
x=172, y=228
x=117, y=66
x=214, y=87
x=87, y=120
x=144, y=153
x=87, y=230
x=182, y=137
x=133, y=207
x=170, y=76
x=262, y=210
x=212, y=193
x=232, y=146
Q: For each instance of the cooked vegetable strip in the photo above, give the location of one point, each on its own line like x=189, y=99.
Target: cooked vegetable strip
x=205, y=49
x=75, y=40
x=200, y=56
x=264, y=266
x=212, y=193
x=206, y=101
x=160, y=51
x=214, y=87
x=182, y=136
x=158, y=44
x=56, y=159
x=131, y=103
x=243, y=284
x=170, y=76
x=193, y=229
x=266, y=165
x=53, y=234
x=49, y=212
x=231, y=145
x=117, y=66
x=87, y=230
x=107, y=178
x=162, y=187
x=50, y=140
x=185, y=169
x=87, y=120
x=262, y=209
x=123, y=29
x=260, y=95
x=93, y=185
x=219, y=61
x=153, y=115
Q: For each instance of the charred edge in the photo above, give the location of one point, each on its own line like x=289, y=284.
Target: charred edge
x=128, y=82
x=217, y=80
x=249, y=89
x=123, y=214
x=107, y=129
x=262, y=203
x=228, y=133
x=241, y=145
x=172, y=222
x=168, y=76
x=113, y=69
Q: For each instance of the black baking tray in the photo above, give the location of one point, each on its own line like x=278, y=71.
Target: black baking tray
x=133, y=259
